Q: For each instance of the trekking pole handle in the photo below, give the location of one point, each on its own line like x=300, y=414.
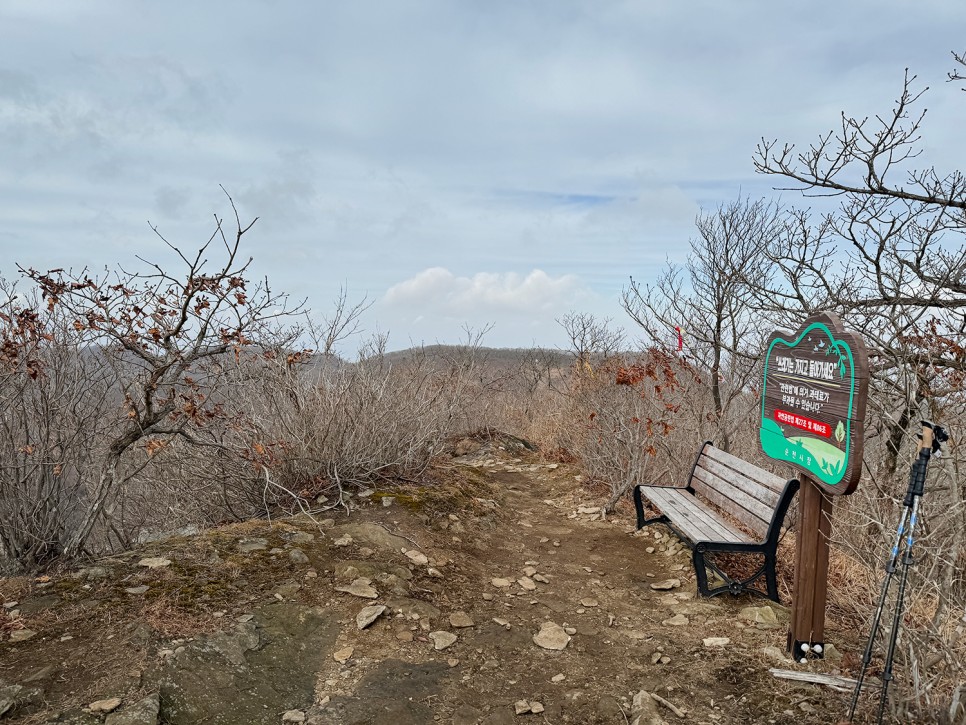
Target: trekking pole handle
x=917, y=476
x=926, y=435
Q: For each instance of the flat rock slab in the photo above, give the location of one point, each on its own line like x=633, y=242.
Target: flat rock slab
x=155, y=562
x=360, y=588
x=142, y=712
x=38, y=605
x=442, y=640
x=249, y=545
x=666, y=585
x=759, y=615
x=22, y=635
x=353, y=568
x=460, y=619
x=551, y=636
x=393, y=691
x=373, y=535
x=252, y=673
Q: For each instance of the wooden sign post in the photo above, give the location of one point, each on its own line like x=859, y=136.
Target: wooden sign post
x=812, y=414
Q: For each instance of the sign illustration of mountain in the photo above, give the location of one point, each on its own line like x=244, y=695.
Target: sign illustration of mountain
x=813, y=401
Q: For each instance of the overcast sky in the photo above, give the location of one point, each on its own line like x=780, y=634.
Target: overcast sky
x=459, y=163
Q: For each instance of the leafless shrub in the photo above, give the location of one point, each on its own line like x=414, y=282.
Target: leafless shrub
x=323, y=426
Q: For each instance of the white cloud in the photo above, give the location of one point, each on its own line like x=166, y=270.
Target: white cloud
x=485, y=291
x=521, y=309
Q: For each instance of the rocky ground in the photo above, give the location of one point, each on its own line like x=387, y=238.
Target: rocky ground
x=498, y=595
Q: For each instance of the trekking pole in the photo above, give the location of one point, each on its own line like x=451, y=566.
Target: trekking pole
x=932, y=436
x=876, y=620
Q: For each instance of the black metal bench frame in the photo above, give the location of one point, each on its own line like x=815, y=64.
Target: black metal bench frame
x=732, y=541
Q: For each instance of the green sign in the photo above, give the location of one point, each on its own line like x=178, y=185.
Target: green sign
x=813, y=401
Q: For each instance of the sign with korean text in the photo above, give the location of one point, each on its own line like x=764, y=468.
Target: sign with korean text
x=813, y=401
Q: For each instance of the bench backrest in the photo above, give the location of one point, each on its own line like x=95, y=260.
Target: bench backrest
x=748, y=493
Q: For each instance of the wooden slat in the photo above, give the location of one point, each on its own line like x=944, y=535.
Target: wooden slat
x=734, y=509
x=752, y=511
x=692, y=524
x=697, y=524
x=691, y=517
x=775, y=483
x=739, y=480
x=700, y=524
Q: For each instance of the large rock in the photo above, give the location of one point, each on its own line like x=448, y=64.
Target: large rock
x=142, y=712
x=354, y=568
x=368, y=615
x=373, y=535
x=442, y=639
x=38, y=605
x=252, y=673
x=551, y=636
x=763, y=616
x=360, y=588
x=15, y=696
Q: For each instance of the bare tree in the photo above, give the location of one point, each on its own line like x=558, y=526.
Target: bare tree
x=892, y=260
x=710, y=298
x=901, y=279
x=591, y=339
x=155, y=347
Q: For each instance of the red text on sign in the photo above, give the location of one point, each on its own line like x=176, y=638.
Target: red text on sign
x=808, y=424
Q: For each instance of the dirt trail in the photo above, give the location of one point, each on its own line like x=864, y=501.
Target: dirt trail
x=455, y=643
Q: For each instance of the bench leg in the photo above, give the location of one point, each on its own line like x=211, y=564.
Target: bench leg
x=639, y=508
x=768, y=569
x=771, y=577
x=700, y=571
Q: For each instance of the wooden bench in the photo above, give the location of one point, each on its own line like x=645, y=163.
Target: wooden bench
x=756, y=499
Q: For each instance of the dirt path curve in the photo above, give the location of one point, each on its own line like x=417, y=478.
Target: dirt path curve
x=622, y=605
x=496, y=595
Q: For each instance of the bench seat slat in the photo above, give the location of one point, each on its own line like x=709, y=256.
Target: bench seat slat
x=694, y=520
x=770, y=480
